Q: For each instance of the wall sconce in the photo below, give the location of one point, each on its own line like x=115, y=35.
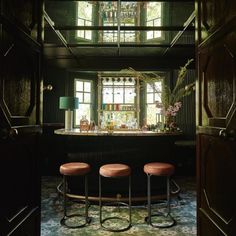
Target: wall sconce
x=48, y=87
x=69, y=104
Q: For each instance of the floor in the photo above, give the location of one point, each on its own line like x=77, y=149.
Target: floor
x=183, y=210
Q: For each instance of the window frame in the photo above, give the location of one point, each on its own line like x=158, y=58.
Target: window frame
x=123, y=86
x=100, y=33
x=162, y=37
x=91, y=98
x=84, y=31
x=154, y=101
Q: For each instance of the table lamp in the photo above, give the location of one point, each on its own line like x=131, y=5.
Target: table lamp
x=69, y=104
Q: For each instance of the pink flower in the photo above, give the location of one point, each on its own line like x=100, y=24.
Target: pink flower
x=172, y=110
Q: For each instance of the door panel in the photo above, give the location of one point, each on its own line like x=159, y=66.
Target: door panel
x=18, y=83
x=218, y=191
x=21, y=179
x=20, y=92
x=216, y=123
x=216, y=58
x=208, y=228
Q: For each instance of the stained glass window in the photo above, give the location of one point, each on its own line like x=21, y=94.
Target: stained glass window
x=119, y=100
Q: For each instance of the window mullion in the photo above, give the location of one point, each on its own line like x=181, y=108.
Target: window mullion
x=118, y=23
x=123, y=92
x=113, y=93
x=83, y=92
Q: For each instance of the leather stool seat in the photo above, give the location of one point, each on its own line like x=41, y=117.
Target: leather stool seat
x=159, y=169
x=74, y=168
x=115, y=170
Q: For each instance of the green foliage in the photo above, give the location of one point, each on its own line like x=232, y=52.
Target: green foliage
x=178, y=92
x=170, y=97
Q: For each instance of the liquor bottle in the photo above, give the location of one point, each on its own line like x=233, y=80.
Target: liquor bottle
x=84, y=124
x=112, y=122
x=108, y=121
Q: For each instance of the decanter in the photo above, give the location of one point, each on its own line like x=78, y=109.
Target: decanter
x=84, y=124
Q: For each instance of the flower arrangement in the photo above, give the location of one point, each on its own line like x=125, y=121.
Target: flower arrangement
x=172, y=110
x=171, y=99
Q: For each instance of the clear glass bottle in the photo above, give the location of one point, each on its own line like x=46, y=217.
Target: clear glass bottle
x=84, y=124
x=108, y=121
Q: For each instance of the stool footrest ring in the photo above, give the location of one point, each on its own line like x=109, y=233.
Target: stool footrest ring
x=117, y=218
x=171, y=222
x=114, y=203
x=65, y=218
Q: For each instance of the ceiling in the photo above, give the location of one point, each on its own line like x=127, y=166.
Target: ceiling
x=175, y=45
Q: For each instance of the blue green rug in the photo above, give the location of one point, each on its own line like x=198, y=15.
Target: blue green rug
x=183, y=210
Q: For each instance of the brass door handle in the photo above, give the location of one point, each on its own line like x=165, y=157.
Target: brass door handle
x=13, y=133
x=223, y=134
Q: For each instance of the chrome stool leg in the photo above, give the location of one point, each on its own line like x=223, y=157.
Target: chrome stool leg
x=170, y=221
x=102, y=221
x=65, y=215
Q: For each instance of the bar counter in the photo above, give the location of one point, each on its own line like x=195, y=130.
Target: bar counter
x=115, y=133
x=132, y=147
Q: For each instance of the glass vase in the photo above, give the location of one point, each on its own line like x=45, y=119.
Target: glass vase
x=170, y=124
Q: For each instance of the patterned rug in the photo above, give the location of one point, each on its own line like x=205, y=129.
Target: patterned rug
x=183, y=210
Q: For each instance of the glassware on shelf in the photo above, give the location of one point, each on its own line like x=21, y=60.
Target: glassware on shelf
x=92, y=125
x=84, y=124
x=102, y=122
x=110, y=122
x=134, y=123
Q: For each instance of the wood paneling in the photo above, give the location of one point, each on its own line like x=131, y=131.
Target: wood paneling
x=214, y=14
x=216, y=142
x=20, y=88
x=217, y=62
x=19, y=75
x=218, y=190
x=24, y=13
x=20, y=180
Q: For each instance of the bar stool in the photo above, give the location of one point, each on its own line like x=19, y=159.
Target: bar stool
x=74, y=169
x=159, y=169
x=114, y=171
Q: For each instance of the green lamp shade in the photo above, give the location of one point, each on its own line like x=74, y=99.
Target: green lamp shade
x=70, y=103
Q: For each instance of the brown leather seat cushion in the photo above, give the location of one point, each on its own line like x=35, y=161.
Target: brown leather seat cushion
x=115, y=170
x=159, y=168
x=74, y=168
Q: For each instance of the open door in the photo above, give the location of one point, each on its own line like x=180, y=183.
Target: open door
x=20, y=81
x=216, y=117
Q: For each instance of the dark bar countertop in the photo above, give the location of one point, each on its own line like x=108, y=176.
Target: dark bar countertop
x=115, y=133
